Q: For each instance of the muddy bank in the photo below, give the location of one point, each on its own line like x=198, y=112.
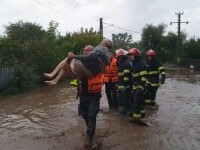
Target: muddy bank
x=47, y=119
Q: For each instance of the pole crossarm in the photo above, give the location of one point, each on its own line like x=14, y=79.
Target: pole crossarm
x=179, y=33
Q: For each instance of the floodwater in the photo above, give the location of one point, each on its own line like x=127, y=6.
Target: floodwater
x=47, y=119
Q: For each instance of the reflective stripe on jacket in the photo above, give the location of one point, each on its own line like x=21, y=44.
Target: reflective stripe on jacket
x=124, y=73
x=154, y=71
x=139, y=74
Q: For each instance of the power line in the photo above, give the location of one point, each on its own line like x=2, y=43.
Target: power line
x=55, y=10
x=112, y=25
x=83, y=8
x=78, y=10
x=58, y=11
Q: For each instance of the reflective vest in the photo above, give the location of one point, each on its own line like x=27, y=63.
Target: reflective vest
x=74, y=82
x=92, y=85
x=95, y=84
x=111, y=74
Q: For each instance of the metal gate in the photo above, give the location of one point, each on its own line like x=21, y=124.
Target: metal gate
x=6, y=75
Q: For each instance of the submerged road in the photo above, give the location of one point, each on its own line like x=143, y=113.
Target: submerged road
x=47, y=119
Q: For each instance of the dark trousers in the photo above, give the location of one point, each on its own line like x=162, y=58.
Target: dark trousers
x=138, y=104
x=111, y=93
x=152, y=95
x=89, y=108
x=124, y=100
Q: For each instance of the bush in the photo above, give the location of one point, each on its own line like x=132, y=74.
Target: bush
x=21, y=81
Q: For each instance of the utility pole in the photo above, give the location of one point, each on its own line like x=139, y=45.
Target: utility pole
x=150, y=43
x=179, y=34
x=101, y=28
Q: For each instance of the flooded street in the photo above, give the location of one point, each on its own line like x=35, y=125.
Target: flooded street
x=47, y=119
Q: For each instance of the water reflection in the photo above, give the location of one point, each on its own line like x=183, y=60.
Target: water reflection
x=182, y=74
x=47, y=119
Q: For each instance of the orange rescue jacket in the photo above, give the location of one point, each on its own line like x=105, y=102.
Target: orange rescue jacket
x=111, y=74
x=95, y=83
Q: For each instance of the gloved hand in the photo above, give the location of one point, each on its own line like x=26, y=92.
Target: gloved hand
x=162, y=80
x=145, y=91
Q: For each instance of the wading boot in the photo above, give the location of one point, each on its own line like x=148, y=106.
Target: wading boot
x=89, y=138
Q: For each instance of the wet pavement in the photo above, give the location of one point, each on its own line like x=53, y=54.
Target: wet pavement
x=47, y=119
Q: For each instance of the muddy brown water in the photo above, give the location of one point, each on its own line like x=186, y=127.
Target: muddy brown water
x=47, y=119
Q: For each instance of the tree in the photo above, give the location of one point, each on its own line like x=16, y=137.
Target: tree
x=191, y=49
x=19, y=38
x=122, y=40
x=82, y=38
x=152, y=36
x=169, y=47
x=32, y=51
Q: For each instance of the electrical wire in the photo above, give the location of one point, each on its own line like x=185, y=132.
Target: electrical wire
x=79, y=11
x=53, y=8
x=112, y=25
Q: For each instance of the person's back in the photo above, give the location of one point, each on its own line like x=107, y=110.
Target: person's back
x=138, y=67
x=155, y=69
x=110, y=80
x=96, y=60
x=111, y=74
x=124, y=69
x=123, y=85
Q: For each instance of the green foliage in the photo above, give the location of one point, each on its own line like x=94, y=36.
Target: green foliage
x=191, y=49
x=28, y=44
x=22, y=77
x=32, y=50
x=165, y=46
x=24, y=32
x=82, y=38
x=18, y=44
x=122, y=40
x=152, y=36
x=21, y=81
x=52, y=31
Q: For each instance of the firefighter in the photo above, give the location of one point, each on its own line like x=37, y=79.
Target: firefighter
x=156, y=76
x=123, y=87
x=110, y=80
x=139, y=84
x=90, y=95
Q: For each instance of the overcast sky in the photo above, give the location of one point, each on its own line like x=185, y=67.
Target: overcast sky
x=131, y=15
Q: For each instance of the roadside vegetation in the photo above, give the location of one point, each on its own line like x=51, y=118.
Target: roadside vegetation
x=32, y=50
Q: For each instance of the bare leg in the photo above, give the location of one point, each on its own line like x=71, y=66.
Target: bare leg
x=55, y=80
x=60, y=66
x=64, y=72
